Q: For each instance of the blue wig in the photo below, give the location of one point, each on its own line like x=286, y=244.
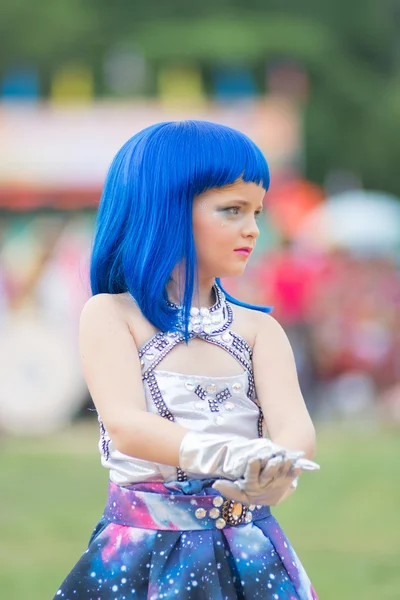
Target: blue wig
x=144, y=222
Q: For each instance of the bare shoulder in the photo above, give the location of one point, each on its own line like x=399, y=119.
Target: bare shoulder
x=121, y=306
x=102, y=307
x=267, y=324
x=101, y=319
x=262, y=331
x=271, y=337
x=247, y=322
x=117, y=311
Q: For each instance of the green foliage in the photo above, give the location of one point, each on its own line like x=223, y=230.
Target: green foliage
x=350, y=51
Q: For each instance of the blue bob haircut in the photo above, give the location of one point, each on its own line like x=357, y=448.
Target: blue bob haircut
x=144, y=221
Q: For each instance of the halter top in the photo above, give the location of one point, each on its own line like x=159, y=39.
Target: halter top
x=224, y=405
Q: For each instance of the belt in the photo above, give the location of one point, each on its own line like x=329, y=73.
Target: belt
x=178, y=512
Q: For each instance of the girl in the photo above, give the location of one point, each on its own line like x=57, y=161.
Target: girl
x=187, y=381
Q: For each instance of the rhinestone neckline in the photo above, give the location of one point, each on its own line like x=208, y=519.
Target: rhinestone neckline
x=208, y=321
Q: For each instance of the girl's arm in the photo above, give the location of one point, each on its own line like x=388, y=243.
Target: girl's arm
x=278, y=390
x=112, y=371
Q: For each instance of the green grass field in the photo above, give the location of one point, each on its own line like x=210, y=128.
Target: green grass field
x=343, y=522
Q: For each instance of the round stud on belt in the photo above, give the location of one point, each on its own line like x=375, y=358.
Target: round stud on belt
x=235, y=513
x=228, y=512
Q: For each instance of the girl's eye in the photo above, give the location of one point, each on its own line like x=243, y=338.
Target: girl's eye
x=232, y=210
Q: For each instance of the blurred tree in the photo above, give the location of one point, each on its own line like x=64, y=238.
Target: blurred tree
x=350, y=51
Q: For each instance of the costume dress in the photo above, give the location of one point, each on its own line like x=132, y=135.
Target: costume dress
x=166, y=534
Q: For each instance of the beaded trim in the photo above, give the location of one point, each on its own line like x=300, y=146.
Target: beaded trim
x=157, y=359
x=241, y=344
x=104, y=440
x=220, y=305
x=158, y=401
x=223, y=395
x=200, y=392
x=239, y=357
x=213, y=403
x=163, y=411
x=260, y=423
x=160, y=341
x=219, y=296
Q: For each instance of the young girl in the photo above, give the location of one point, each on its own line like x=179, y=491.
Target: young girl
x=187, y=381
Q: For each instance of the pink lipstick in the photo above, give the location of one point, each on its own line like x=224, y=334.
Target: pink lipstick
x=244, y=251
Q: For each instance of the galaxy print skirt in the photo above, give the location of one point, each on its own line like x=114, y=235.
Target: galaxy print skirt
x=183, y=541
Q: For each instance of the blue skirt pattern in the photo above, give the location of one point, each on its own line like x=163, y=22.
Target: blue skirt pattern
x=250, y=561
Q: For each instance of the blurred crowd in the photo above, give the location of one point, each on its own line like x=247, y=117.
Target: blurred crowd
x=341, y=314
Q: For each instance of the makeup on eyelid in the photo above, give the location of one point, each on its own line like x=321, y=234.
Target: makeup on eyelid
x=235, y=210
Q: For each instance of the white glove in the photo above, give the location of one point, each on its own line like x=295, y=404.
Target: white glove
x=267, y=484
x=209, y=454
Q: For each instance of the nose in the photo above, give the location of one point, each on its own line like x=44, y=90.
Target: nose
x=251, y=229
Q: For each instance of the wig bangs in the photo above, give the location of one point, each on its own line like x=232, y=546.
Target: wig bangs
x=204, y=155
x=225, y=156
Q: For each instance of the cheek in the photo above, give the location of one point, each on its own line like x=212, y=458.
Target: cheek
x=211, y=230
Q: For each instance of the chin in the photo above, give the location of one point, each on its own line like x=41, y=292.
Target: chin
x=234, y=271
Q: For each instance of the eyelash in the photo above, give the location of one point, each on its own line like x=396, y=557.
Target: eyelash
x=237, y=208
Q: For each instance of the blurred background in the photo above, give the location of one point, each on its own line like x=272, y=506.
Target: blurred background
x=317, y=85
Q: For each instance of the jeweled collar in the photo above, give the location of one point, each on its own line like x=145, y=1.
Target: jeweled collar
x=206, y=321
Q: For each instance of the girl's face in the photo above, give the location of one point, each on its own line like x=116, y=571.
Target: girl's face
x=225, y=228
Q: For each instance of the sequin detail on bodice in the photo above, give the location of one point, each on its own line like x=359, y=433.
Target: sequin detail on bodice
x=212, y=403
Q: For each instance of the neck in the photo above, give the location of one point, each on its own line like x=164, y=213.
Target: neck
x=203, y=294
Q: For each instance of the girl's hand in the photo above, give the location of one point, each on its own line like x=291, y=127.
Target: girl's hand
x=266, y=484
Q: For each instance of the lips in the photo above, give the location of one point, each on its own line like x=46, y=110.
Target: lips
x=244, y=251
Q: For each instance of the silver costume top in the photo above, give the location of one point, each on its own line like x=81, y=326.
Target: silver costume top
x=224, y=405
